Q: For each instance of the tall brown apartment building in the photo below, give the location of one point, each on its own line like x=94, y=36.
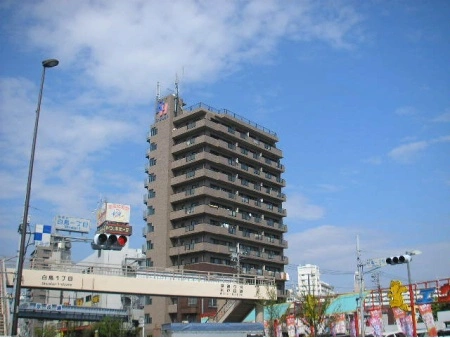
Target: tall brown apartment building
x=214, y=202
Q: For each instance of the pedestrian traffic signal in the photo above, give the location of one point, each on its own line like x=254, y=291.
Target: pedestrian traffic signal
x=398, y=259
x=109, y=242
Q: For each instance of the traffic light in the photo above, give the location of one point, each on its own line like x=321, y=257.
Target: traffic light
x=109, y=242
x=398, y=259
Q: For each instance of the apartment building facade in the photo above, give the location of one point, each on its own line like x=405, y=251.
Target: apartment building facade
x=309, y=282
x=214, y=201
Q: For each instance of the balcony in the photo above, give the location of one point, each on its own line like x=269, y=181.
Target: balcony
x=191, y=128
x=227, y=230
x=226, y=196
x=172, y=308
x=199, y=247
x=261, y=147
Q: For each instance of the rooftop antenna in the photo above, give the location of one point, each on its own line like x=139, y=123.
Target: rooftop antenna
x=158, y=96
x=176, y=95
x=158, y=91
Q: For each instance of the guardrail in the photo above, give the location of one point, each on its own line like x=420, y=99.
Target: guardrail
x=147, y=272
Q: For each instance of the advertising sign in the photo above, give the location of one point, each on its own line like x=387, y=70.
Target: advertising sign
x=112, y=212
x=116, y=228
x=427, y=316
x=42, y=234
x=74, y=224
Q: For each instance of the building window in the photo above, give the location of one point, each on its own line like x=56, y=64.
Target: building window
x=148, y=300
x=153, y=131
x=212, y=302
x=148, y=263
x=153, y=146
x=149, y=245
x=151, y=193
x=151, y=177
x=152, y=162
x=192, y=301
x=190, y=157
x=150, y=227
x=147, y=318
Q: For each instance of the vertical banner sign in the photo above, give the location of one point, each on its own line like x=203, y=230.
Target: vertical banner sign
x=290, y=323
x=338, y=325
x=427, y=316
x=376, y=322
x=353, y=327
x=404, y=321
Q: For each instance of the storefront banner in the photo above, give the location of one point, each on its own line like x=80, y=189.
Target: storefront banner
x=376, y=321
x=290, y=323
x=427, y=317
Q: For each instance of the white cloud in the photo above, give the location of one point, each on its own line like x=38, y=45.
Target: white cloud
x=406, y=111
x=127, y=46
x=406, y=153
x=333, y=249
x=375, y=160
x=445, y=117
x=329, y=188
x=300, y=208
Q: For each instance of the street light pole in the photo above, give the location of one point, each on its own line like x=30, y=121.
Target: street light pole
x=23, y=230
x=411, y=294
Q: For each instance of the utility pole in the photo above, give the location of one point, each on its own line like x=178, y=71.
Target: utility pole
x=236, y=257
x=360, y=267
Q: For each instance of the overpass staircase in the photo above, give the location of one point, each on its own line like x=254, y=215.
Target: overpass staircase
x=233, y=311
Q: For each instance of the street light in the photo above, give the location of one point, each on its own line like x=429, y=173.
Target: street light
x=23, y=230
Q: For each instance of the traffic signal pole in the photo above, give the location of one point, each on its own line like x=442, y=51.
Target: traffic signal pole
x=407, y=259
x=411, y=299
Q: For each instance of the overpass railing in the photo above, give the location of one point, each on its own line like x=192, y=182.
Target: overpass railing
x=147, y=272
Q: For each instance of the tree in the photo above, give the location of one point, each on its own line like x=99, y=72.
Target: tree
x=270, y=305
x=109, y=327
x=48, y=330
x=311, y=311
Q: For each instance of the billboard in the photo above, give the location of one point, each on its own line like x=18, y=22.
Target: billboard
x=112, y=212
x=115, y=228
x=74, y=224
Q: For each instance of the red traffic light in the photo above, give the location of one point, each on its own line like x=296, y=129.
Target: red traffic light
x=122, y=240
x=109, y=242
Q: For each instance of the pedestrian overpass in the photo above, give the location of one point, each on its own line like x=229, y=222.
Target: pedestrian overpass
x=108, y=278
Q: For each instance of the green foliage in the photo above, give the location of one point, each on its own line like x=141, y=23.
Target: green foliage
x=436, y=307
x=48, y=331
x=273, y=311
x=109, y=327
x=311, y=311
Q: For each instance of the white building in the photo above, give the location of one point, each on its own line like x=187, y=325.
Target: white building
x=309, y=282
x=129, y=260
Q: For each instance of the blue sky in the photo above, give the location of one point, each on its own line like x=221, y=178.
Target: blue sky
x=358, y=92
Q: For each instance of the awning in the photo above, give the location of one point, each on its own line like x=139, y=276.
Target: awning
x=347, y=303
x=278, y=310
